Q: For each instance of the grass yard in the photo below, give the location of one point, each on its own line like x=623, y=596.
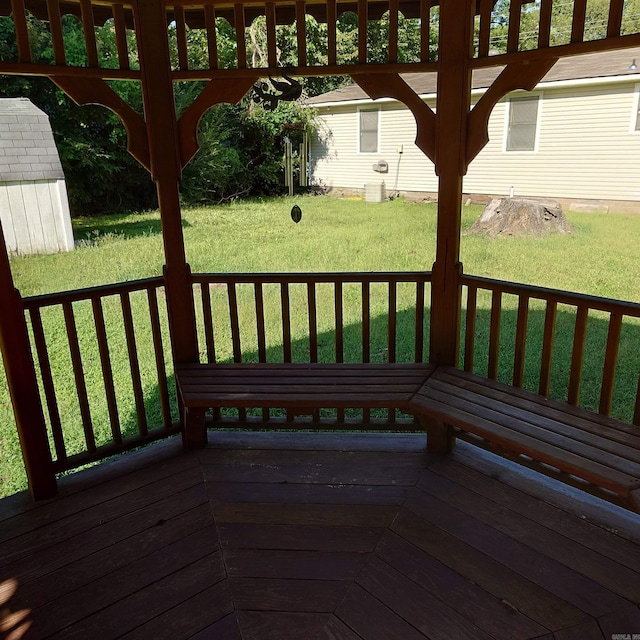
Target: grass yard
x=600, y=257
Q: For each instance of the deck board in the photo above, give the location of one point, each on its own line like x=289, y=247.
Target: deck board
x=318, y=537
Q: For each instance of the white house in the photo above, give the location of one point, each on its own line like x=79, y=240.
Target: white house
x=34, y=210
x=575, y=138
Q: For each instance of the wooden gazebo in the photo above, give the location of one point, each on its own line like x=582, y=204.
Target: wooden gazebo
x=451, y=137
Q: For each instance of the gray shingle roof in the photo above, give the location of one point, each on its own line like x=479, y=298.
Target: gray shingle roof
x=27, y=148
x=593, y=65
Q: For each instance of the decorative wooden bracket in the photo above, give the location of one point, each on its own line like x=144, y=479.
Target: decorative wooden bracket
x=216, y=92
x=96, y=91
x=387, y=85
x=516, y=75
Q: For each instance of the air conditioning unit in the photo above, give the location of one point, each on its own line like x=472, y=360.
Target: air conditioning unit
x=374, y=192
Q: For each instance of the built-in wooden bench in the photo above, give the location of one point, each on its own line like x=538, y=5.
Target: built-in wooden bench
x=295, y=386
x=581, y=448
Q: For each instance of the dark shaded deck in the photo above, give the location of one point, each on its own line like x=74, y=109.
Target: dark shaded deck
x=311, y=536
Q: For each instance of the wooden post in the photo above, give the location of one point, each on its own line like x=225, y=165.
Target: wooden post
x=452, y=113
x=164, y=153
x=23, y=385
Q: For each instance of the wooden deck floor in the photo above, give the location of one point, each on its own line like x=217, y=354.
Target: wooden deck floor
x=316, y=537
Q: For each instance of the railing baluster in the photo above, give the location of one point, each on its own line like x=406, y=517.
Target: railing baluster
x=286, y=321
x=494, y=334
x=484, y=34
x=78, y=375
x=366, y=335
x=47, y=383
x=240, y=36
x=207, y=318
x=392, y=325
x=156, y=332
x=610, y=362
x=391, y=335
x=521, y=340
x=272, y=51
x=332, y=29
x=212, y=36
x=260, y=333
x=21, y=30
x=513, y=35
x=88, y=26
x=107, y=371
x=55, y=27
x=313, y=322
x=425, y=30
x=544, y=30
x=260, y=329
x=393, y=30
x=181, y=37
x=419, y=337
x=470, y=328
x=547, y=347
x=313, y=332
x=234, y=321
x=577, y=355
x=121, y=36
x=339, y=321
x=362, y=31
x=337, y=288
x=301, y=32
x=577, y=24
x=614, y=24
x=134, y=366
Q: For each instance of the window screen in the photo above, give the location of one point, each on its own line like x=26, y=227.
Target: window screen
x=369, y=131
x=523, y=119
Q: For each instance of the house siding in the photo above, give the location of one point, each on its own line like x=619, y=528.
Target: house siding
x=586, y=149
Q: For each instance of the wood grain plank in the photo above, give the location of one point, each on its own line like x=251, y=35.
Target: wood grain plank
x=127, y=582
x=535, y=602
x=616, y=577
x=272, y=625
x=588, y=630
x=304, y=538
x=129, y=613
x=371, y=619
x=415, y=605
x=551, y=575
x=293, y=564
x=471, y=601
x=309, y=596
x=305, y=514
x=337, y=630
x=225, y=629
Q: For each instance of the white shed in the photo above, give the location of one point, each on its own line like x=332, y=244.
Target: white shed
x=34, y=210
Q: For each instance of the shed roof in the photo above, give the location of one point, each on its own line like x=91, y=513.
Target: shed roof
x=606, y=64
x=27, y=148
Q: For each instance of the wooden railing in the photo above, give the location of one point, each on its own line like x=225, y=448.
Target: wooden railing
x=316, y=317
x=196, y=30
x=563, y=345
x=102, y=355
x=104, y=362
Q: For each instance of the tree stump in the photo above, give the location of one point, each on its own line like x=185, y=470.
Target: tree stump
x=521, y=218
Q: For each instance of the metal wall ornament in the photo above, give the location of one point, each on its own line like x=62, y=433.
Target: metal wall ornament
x=289, y=91
x=296, y=213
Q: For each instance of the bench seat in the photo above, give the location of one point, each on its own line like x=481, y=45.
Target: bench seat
x=297, y=386
x=582, y=448
x=585, y=449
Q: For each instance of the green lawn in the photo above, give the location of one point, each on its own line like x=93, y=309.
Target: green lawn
x=600, y=257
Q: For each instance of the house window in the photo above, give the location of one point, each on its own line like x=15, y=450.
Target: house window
x=523, y=121
x=637, y=114
x=368, y=130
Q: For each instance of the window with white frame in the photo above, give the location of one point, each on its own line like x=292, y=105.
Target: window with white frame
x=368, y=127
x=636, y=110
x=523, y=122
